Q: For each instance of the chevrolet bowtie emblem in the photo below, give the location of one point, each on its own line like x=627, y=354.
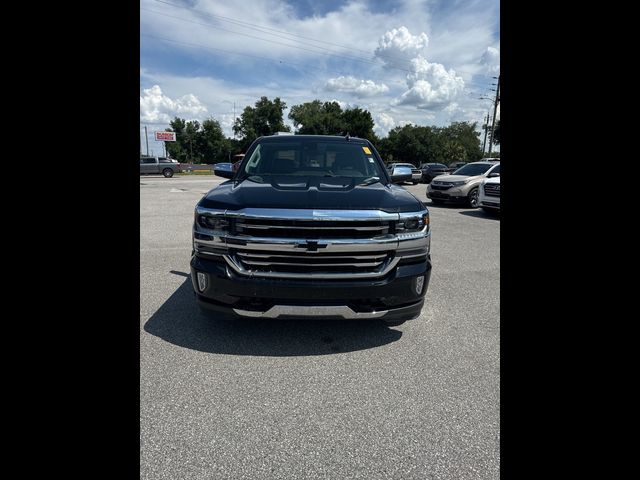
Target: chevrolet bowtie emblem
x=311, y=246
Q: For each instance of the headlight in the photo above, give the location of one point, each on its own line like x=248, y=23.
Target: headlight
x=413, y=223
x=211, y=220
x=213, y=223
x=457, y=184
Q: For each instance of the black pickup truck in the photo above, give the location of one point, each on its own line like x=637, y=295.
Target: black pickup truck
x=312, y=226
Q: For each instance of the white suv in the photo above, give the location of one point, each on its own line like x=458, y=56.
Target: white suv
x=489, y=196
x=463, y=184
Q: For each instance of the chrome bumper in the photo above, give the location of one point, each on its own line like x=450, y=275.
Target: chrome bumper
x=305, y=311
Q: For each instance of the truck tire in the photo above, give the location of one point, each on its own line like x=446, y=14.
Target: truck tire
x=472, y=198
x=167, y=172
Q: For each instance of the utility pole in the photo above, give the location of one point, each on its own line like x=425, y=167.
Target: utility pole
x=495, y=108
x=146, y=137
x=486, y=128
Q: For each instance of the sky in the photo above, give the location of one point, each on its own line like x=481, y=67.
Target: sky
x=424, y=62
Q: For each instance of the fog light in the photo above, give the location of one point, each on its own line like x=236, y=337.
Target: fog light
x=419, y=284
x=202, y=281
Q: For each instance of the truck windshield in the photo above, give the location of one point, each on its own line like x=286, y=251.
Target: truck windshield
x=299, y=158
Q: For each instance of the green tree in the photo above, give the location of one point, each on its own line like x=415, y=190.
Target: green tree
x=317, y=118
x=453, y=151
x=463, y=134
x=411, y=144
x=192, y=142
x=266, y=118
x=212, y=145
x=359, y=123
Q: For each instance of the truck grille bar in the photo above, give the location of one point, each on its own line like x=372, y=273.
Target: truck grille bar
x=304, y=265
x=311, y=229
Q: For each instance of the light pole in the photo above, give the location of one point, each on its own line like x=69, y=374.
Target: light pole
x=495, y=108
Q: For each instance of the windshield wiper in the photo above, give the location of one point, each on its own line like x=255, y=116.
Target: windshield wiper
x=370, y=181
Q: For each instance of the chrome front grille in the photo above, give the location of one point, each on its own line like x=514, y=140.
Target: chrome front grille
x=441, y=185
x=311, y=229
x=308, y=244
x=492, y=189
x=312, y=265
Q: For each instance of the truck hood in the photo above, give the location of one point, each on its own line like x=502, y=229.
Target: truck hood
x=311, y=193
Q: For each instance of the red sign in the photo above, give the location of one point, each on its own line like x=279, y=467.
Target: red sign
x=165, y=136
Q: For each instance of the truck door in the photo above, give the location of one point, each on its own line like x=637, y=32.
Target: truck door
x=149, y=165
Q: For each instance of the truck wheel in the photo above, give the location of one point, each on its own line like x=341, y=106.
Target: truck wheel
x=167, y=172
x=472, y=198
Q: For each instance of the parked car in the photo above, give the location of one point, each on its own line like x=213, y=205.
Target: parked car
x=312, y=210
x=463, y=184
x=489, y=194
x=455, y=166
x=416, y=173
x=429, y=171
x=156, y=165
x=222, y=166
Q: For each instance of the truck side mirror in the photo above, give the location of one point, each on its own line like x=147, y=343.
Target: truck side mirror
x=225, y=171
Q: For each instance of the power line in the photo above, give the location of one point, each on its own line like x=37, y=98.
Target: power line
x=304, y=66
x=323, y=52
x=267, y=30
x=264, y=29
x=346, y=57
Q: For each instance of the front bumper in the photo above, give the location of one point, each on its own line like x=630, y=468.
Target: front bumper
x=490, y=203
x=451, y=195
x=389, y=298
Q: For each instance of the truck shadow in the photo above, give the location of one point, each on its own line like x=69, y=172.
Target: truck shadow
x=179, y=321
x=444, y=206
x=481, y=214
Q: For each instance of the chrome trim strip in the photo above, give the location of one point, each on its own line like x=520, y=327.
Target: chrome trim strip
x=386, y=242
x=311, y=311
x=302, y=214
x=311, y=275
x=209, y=253
x=295, y=227
x=301, y=257
x=413, y=256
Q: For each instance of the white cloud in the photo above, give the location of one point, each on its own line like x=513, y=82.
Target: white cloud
x=397, y=46
x=383, y=122
x=158, y=108
x=491, y=60
x=360, y=88
x=430, y=85
x=452, y=108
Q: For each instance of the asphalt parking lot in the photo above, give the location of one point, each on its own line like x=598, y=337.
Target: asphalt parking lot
x=318, y=399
